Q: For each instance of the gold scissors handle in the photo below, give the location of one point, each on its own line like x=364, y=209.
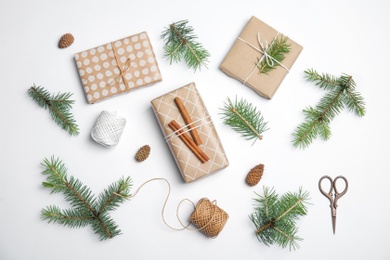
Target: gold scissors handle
x=333, y=197
x=337, y=194
x=328, y=194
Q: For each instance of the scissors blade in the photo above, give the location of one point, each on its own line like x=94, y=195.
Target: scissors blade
x=334, y=224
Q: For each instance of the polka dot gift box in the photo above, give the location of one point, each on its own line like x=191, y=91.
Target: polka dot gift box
x=117, y=67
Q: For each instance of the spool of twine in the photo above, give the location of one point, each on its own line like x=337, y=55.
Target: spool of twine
x=209, y=218
x=108, y=129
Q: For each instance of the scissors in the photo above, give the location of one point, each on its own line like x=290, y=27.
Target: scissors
x=333, y=197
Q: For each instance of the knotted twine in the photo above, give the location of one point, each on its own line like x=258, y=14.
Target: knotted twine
x=122, y=71
x=108, y=129
x=263, y=50
x=207, y=216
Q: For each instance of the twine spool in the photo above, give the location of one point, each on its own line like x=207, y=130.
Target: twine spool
x=108, y=129
x=209, y=218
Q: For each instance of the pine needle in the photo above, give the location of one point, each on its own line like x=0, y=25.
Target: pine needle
x=180, y=43
x=274, y=217
x=277, y=51
x=85, y=209
x=341, y=93
x=59, y=106
x=244, y=118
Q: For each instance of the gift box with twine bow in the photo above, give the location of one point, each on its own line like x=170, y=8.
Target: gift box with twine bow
x=251, y=49
x=117, y=67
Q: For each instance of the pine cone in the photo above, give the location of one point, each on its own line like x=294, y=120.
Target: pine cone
x=66, y=40
x=143, y=153
x=255, y=175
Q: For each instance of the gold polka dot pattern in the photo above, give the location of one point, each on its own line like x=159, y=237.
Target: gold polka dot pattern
x=104, y=73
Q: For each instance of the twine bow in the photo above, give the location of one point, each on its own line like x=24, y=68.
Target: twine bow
x=263, y=50
x=123, y=70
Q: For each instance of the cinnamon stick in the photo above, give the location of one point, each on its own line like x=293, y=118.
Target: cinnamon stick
x=188, y=141
x=188, y=120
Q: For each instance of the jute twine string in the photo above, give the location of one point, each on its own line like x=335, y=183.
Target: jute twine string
x=125, y=68
x=108, y=129
x=207, y=216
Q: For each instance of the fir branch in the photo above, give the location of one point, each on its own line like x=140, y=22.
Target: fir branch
x=275, y=218
x=115, y=194
x=324, y=81
x=77, y=194
x=244, y=118
x=287, y=236
x=180, y=43
x=105, y=227
x=277, y=50
x=330, y=105
x=56, y=175
x=59, y=106
x=85, y=210
x=72, y=218
x=318, y=119
x=353, y=100
x=341, y=93
x=291, y=205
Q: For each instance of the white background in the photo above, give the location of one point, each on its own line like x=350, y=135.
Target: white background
x=338, y=37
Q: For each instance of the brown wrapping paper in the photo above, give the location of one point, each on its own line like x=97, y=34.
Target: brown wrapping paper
x=242, y=59
x=189, y=165
x=105, y=73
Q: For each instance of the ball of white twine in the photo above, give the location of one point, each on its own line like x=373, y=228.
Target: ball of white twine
x=108, y=129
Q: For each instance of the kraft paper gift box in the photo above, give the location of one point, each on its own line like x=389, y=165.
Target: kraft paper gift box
x=117, y=67
x=240, y=62
x=189, y=165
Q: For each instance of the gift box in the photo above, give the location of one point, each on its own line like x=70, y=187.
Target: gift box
x=166, y=110
x=117, y=67
x=248, y=49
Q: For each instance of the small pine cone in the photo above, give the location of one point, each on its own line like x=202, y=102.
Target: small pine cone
x=255, y=175
x=66, y=40
x=143, y=153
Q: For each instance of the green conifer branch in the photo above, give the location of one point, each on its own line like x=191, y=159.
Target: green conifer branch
x=324, y=81
x=69, y=217
x=354, y=101
x=180, y=43
x=109, y=199
x=105, y=227
x=85, y=208
x=59, y=106
x=274, y=217
x=277, y=51
x=244, y=118
x=341, y=93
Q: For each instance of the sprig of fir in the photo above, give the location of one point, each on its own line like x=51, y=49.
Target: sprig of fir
x=244, y=118
x=275, y=218
x=180, y=43
x=341, y=93
x=86, y=209
x=277, y=50
x=59, y=106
